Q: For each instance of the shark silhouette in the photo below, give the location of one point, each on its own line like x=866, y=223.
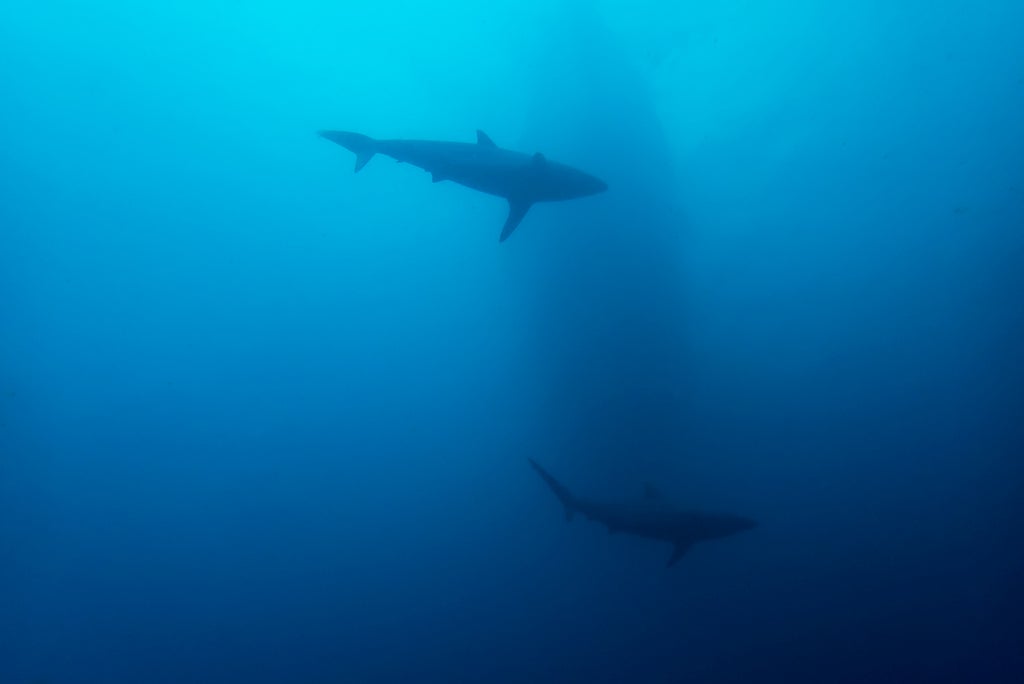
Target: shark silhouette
x=650, y=518
x=520, y=178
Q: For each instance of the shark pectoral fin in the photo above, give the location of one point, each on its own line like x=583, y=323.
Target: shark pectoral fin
x=678, y=552
x=516, y=211
x=560, y=491
x=484, y=139
x=363, y=158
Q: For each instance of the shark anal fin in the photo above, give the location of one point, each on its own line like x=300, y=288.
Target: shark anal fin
x=516, y=211
x=678, y=552
x=483, y=139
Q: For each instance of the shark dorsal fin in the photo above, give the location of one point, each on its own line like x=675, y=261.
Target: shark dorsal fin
x=538, y=159
x=483, y=139
x=651, y=492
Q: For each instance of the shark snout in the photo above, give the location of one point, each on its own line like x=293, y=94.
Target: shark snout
x=583, y=184
x=597, y=185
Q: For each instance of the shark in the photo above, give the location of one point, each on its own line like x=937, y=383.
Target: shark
x=650, y=517
x=522, y=179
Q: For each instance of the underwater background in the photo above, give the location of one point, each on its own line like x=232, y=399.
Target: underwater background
x=264, y=420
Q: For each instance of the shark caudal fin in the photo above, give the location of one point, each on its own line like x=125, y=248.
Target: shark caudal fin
x=558, y=488
x=363, y=146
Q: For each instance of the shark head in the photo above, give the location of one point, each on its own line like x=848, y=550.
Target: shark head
x=721, y=525
x=580, y=184
x=734, y=524
x=553, y=181
x=584, y=184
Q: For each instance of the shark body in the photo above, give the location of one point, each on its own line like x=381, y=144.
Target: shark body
x=650, y=518
x=522, y=179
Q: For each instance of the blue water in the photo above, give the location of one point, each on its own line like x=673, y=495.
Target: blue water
x=266, y=420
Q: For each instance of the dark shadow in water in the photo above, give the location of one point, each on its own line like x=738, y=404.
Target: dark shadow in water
x=603, y=272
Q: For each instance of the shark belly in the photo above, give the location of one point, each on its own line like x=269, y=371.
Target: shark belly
x=498, y=182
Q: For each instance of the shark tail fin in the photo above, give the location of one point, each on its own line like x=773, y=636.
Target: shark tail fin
x=558, y=488
x=363, y=146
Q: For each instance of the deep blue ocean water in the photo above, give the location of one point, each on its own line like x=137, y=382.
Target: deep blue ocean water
x=265, y=420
